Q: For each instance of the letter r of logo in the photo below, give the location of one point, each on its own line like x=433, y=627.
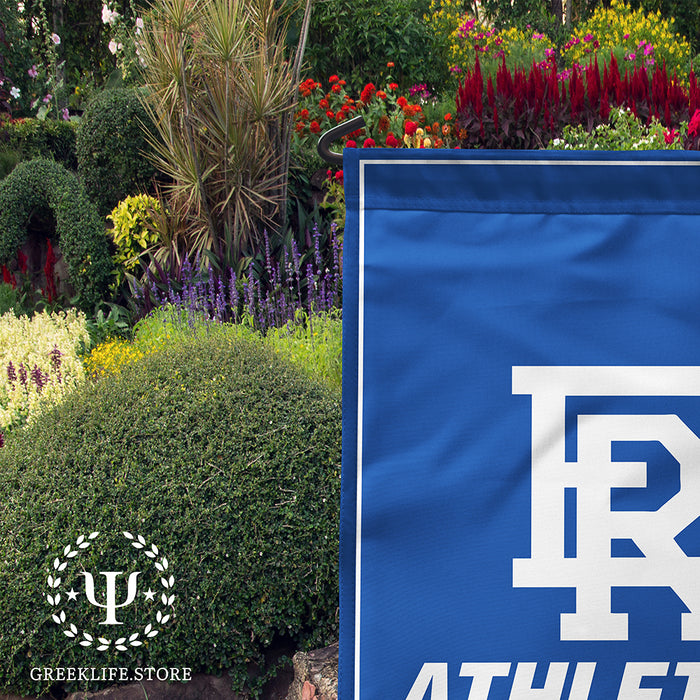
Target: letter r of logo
x=593, y=571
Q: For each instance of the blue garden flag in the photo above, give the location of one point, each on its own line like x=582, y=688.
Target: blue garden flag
x=521, y=412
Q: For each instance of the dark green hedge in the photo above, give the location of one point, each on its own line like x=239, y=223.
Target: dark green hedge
x=48, y=138
x=40, y=184
x=222, y=455
x=111, y=147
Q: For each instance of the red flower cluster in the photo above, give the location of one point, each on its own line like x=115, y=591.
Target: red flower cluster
x=367, y=92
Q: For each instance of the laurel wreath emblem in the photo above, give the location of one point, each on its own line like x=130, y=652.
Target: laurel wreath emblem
x=54, y=598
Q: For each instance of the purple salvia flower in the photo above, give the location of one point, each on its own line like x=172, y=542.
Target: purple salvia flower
x=22, y=374
x=211, y=289
x=2, y=439
x=55, y=357
x=317, y=247
x=39, y=378
x=268, y=259
x=233, y=294
x=11, y=374
x=220, y=300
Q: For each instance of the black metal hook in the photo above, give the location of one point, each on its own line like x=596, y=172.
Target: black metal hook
x=342, y=129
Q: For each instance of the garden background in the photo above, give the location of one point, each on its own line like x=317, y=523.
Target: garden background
x=171, y=295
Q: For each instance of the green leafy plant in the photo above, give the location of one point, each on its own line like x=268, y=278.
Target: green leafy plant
x=112, y=146
x=133, y=231
x=40, y=185
x=218, y=451
x=357, y=39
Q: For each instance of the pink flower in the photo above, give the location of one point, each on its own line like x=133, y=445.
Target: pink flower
x=670, y=136
x=56, y=39
x=32, y=72
x=47, y=98
x=65, y=114
x=648, y=50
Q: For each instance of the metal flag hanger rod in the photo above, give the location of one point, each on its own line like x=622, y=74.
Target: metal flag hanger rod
x=337, y=132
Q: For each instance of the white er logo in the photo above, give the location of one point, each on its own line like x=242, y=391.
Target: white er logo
x=593, y=571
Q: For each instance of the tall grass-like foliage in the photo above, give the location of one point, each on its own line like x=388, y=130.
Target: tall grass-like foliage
x=220, y=89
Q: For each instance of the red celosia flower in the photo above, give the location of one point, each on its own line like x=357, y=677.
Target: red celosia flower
x=410, y=127
x=367, y=92
x=350, y=144
x=8, y=277
x=333, y=79
x=369, y=143
x=391, y=141
x=22, y=261
x=315, y=127
x=339, y=177
x=694, y=126
x=670, y=136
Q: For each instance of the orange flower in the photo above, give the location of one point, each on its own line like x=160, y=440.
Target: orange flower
x=393, y=86
x=333, y=79
x=448, y=117
x=381, y=94
x=336, y=89
x=390, y=64
x=402, y=101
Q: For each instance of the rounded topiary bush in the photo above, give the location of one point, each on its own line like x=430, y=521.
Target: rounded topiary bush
x=41, y=184
x=111, y=146
x=220, y=454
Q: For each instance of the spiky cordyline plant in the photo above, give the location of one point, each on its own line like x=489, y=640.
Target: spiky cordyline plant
x=220, y=89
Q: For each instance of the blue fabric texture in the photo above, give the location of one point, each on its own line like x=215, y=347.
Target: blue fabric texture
x=521, y=406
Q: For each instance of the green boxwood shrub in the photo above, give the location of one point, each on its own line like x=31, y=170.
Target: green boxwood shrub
x=48, y=138
x=219, y=453
x=40, y=184
x=111, y=144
